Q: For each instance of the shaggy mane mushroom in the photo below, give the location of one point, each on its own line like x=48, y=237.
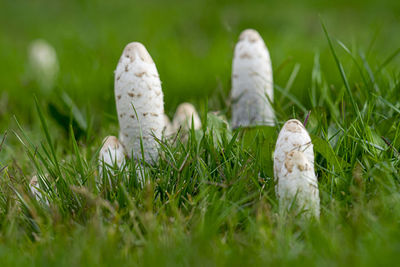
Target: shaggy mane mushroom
x=252, y=83
x=140, y=103
x=294, y=169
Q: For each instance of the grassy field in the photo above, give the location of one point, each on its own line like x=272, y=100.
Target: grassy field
x=210, y=201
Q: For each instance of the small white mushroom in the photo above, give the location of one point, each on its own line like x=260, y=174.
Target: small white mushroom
x=185, y=115
x=140, y=102
x=112, y=154
x=252, y=84
x=34, y=187
x=36, y=190
x=43, y=63
x=294, y=169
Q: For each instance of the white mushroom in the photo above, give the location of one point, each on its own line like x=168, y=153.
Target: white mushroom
x=111, y=154
x=252, y=84
x=140, y=103
x=36, y=190
x=43, y=63
x=185, y=115
x=34, y=187
x=294, y=169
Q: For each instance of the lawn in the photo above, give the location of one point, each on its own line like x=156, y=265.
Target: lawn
x=210, y=200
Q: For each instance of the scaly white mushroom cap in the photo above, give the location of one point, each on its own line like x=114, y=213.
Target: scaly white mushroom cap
x=184, y=116
x=138, y=88
x=43, y=63
x=112, y=154
x=252, y=82
x=294, y=169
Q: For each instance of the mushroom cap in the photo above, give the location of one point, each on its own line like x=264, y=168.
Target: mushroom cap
x=42, y=54
x=140, y=102
x=297, y=181
x=43, y=62
x=293, y=136
x=136, y=50
x=294, y=168
x=112, y=152
x=33, y=181
x=184, y=116
x=250, y=35
x=34, y=187
x=252, y=82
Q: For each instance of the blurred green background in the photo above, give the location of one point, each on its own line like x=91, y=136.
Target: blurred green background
x=191, y=42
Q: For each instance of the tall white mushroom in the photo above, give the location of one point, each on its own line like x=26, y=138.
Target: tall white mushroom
x=111, y=154
x=294, y=169
x=252, y=83
x=140, y=102
x=43, y=63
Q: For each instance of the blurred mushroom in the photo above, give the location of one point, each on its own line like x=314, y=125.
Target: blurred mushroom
x=111, y=154
x=252, y=84
x=185, y=115
x=43, y=63
x=36, y=191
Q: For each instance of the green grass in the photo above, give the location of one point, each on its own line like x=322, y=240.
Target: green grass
x=210, y=201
